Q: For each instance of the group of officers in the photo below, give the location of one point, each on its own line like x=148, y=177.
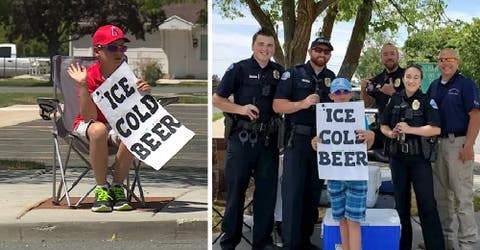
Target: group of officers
x=262, y=90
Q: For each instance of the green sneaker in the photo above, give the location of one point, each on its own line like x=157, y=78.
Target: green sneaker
x=120, y=202
x=103, y=200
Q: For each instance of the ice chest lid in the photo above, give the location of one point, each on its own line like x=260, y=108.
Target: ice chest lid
x=374, y=217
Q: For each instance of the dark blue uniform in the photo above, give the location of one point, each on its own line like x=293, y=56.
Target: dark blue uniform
x=301, y=186
x=251, y=150
x=381, y=99
x=409, y=165
x=455, y=100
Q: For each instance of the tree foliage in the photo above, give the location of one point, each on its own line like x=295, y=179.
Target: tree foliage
x=469, y=50
x=297, y=18
x=424, y=45
x=370, y=64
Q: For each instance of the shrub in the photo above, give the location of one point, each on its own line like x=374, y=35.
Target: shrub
x=151, y=71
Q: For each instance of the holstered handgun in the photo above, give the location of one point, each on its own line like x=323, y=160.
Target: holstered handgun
x=429, y=147
x=229, y=122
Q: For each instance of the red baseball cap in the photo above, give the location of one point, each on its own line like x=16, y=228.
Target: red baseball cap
x=108, y=34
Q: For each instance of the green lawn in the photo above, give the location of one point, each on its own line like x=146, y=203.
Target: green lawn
x=8, y=99
x=9, y=82
x=217, y=116
x=20, y=165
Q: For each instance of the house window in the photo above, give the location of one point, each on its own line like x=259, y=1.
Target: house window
x=203, y=47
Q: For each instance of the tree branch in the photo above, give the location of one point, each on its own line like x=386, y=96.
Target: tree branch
x=400, y=12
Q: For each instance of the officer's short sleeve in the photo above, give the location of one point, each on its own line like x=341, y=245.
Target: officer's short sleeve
x=227, y=84
x=470, y=95
x=387, y=112
x=285, y=86
x=432, y=115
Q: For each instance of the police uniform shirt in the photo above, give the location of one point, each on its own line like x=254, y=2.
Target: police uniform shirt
x=301, y=81
x=381, y=79
x=424, y=111
x=455, y=100
x=251, y=84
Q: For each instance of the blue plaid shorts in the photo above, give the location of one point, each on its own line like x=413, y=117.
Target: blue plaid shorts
x=348, y=199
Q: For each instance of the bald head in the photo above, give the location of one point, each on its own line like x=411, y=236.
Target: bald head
x=389, y=56
x=448, y=63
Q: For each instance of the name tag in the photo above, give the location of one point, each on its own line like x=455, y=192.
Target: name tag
x=253, y=76
x=306, y=80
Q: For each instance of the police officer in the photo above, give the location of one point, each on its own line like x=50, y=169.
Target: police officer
x=380, y=88
x=300, y=88
x=409, y=116
x=459, y=105
x=252, y=146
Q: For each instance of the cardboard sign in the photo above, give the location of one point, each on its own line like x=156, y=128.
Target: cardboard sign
x=339, y=155
x=152, y=134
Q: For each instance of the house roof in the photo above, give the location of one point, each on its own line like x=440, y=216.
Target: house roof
x=186, y=11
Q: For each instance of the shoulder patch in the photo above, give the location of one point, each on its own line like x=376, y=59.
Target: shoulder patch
x=285, y=75
x=229, y=67
x=433, y=104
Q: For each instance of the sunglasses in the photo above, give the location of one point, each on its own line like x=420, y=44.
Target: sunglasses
x=320, y=50
x=114, y=48
x=447, y=59
x=342, y=92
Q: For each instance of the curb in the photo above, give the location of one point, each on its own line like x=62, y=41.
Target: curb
x=111, y=231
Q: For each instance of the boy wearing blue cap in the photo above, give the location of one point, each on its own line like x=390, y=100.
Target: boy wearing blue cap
x=348, y=198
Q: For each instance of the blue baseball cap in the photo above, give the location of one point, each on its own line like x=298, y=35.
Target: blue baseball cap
x=340, y=84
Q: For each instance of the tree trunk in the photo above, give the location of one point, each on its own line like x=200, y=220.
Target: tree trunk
x=328, y=21
x=265, y=22
x=360, y=28
x=289, y=21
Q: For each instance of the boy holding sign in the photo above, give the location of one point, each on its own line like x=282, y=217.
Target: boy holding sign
x=348, y=198
x=109, y=47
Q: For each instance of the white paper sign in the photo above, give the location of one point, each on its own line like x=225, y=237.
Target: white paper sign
x=152, y=134
x=340, y=156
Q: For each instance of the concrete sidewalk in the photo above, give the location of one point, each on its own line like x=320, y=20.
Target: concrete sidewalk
x=23, y=137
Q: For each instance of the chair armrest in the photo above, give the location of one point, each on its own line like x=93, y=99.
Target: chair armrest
x=164, y=101
x=48, y=106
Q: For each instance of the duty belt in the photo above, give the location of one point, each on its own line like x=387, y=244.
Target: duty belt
x=455, y=134
x=261, y=127
x=304, y=130
x=410, y=146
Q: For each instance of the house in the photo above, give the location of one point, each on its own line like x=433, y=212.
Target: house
x=179, y=45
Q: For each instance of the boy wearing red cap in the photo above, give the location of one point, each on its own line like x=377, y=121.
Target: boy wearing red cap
x=109, y=47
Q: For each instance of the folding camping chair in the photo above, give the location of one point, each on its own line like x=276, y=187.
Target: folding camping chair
x=62, y=116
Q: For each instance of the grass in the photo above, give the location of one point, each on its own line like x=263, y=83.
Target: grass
x=193, y=99
x=184, y=83
x=216, y=218
x=8, y=99
x=24, y=82
x=217, y=116
x=20, y=165
x=476, y=203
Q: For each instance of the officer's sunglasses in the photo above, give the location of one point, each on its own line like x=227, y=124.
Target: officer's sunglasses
x=320, y=50
x=447, y=59
x=342, y=92
x=114, y=48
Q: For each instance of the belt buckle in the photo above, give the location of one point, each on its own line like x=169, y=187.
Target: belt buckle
x=404, y=147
